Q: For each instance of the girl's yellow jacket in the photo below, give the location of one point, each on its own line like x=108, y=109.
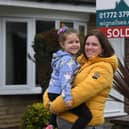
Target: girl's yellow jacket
x=92, y=85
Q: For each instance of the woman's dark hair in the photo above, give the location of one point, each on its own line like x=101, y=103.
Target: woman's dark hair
x=106, y=46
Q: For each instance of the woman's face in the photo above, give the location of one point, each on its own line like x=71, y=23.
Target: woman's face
x=93, y=47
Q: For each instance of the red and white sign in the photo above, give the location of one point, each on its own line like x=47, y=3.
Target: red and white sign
x=116, y=32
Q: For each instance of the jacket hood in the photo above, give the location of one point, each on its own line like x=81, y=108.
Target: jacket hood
x=56, y=56
x=113, y=60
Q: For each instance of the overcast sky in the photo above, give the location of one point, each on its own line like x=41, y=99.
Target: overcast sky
x=107, y=4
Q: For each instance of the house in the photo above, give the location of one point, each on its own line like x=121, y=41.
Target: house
x=20, y=21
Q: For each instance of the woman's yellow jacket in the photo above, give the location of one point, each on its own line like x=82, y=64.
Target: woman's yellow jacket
x=92, y=85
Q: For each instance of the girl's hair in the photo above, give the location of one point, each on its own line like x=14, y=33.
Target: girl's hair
x=64, y=32
x=106, y=46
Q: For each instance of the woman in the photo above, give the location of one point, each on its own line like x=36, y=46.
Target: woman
x=93, y=82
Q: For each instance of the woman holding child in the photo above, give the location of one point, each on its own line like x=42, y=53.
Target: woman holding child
x=92, y=83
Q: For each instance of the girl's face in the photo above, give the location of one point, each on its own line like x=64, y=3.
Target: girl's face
x=71, y=44
x=93, y=47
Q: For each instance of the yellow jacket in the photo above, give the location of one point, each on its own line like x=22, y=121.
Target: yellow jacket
x=92, y=85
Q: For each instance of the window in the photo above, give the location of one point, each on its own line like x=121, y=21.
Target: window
x=81, y=27
x=17, y=70
x=18, y=73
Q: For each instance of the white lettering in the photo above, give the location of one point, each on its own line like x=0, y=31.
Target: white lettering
x=117, y=32
x=109, y=33
x=127, y=32
x=122, y=35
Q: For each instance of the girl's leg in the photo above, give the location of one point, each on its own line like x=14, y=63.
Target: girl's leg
x=63, y=124
x=52, y=121
x=84, y=115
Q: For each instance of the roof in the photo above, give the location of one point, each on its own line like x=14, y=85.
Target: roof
x=63, y=5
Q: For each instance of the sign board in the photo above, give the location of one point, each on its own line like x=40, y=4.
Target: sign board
x=112, y=17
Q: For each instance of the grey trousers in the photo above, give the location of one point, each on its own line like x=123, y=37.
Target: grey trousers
x=62, y=124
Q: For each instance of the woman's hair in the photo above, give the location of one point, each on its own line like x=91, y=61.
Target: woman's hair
x=64, y=32
x=105, y=44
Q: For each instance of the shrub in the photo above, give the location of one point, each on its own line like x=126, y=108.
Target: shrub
x=35, y=117
x=45, y=43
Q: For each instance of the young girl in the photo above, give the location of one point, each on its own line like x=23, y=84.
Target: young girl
x=65, y=67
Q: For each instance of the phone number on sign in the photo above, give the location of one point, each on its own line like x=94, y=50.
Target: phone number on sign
x=120, y=14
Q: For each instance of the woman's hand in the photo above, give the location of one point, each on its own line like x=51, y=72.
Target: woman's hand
x=46, y=100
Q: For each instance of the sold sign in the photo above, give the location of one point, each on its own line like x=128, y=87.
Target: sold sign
x=116, y=32
x=114, y=22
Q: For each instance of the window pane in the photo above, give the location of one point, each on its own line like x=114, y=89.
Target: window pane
x=42, y=26
x=16, y=33
x=82, y=29
x=68, y=24
x=43, y=67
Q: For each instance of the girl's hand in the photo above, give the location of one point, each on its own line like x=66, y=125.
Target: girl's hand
x=69, y=103
x=50, y=108
x=49, y=104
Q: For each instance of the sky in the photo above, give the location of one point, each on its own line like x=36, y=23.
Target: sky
x=107, y=4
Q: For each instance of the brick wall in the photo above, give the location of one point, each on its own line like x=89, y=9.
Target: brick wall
x=13, y=107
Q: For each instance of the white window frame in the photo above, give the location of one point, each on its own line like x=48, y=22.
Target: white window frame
x=77, y=24
x=30, y=87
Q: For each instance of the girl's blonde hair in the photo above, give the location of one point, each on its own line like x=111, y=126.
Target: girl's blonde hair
x=62, y=35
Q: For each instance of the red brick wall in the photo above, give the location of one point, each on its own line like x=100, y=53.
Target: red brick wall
x=13, y=107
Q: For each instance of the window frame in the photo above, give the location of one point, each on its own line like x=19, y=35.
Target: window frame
x=29, y=87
